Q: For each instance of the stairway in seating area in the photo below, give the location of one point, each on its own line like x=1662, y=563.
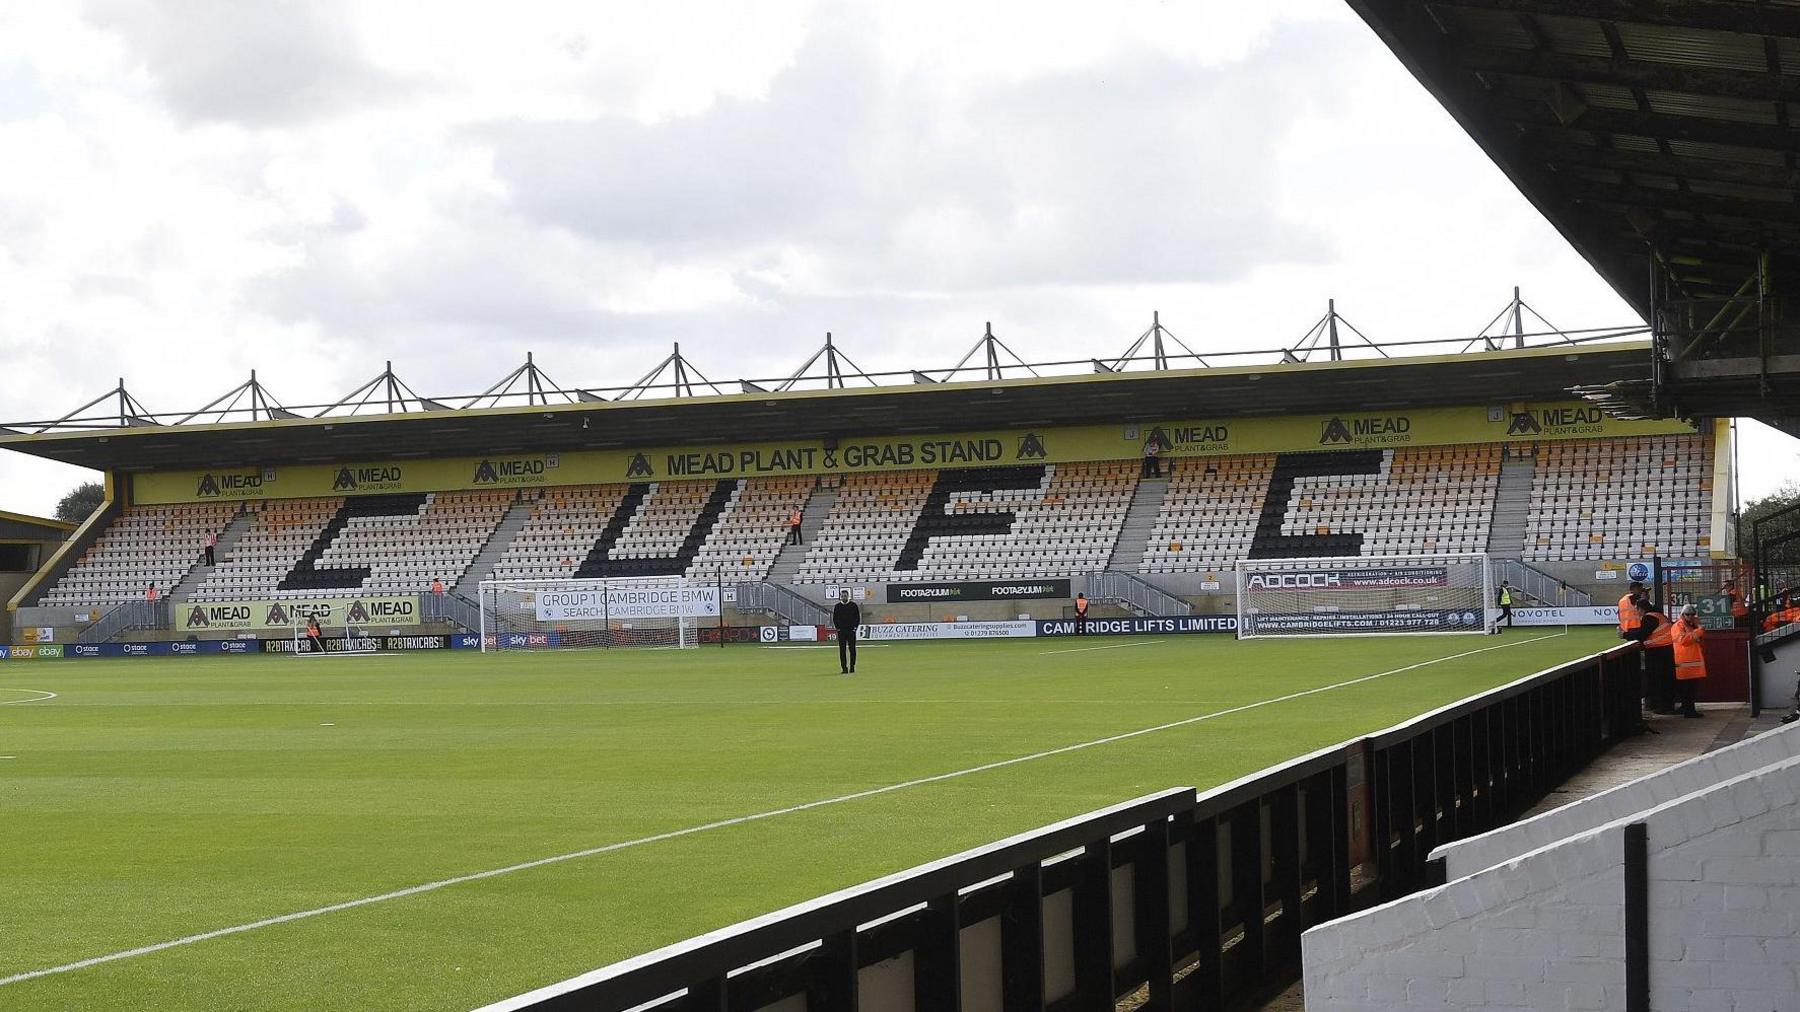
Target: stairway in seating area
x=469, y=584
x=818, y=507
x=228, y=539
x=1512, y=504
x=1140, y=520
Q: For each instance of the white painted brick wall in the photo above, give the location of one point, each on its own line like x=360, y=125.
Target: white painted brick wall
x=1545, y=930
x=1466, y=857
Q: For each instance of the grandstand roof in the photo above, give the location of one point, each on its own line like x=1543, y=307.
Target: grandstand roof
x=1639, y=128
x=18, y=526
x=1273, y=389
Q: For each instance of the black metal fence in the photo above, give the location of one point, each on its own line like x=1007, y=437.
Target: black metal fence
x=1181, y=899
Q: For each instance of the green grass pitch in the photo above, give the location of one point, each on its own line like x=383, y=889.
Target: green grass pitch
x=153, y=800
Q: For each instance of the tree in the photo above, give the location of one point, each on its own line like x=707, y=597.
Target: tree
x=80, y=504
x=1781, y=559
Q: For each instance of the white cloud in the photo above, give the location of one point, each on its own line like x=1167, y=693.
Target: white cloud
x=258, y=65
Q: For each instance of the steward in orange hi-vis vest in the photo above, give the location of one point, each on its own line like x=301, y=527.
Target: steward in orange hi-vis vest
x=1781, y=616
x=1631, y=614
x=1690, y=659
x=1739, y=609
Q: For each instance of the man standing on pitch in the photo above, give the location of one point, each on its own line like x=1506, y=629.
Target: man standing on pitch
x=846, y=616
x=1504, y=600
x=1081, y=607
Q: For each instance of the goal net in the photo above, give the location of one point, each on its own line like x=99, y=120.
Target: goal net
x=334, y=638
x=1392, y=595
x=659, y=611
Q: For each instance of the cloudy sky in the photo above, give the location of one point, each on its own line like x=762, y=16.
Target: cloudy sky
x=194, y=188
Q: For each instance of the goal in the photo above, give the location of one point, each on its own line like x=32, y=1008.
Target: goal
x=660, y=611
x=338, y=639
x=1369, y=595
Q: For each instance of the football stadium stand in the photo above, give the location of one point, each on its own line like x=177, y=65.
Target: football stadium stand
x=565, y=525
x=753, y=528
x=145, y=545
x=1387, y=502
x=382, y=544
x=1209, y=514
x=992, y=493
x=655, y=529
x=972, y=523
x=1590, y=499
x=1639, y=496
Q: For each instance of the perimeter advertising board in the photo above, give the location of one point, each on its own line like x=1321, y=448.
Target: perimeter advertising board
x=1349, y=579
x=1178, y=437
x=890, y=631
x=624, y=603
x=1608, y=615
x=231, y=616
x=929, y=593
x=1421, y=620
x=1175, y=625
x=41, y=652
x=185, y=648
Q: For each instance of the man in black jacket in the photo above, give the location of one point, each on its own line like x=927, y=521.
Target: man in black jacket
x=846, y=616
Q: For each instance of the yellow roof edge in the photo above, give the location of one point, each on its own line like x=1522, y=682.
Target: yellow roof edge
x=26, y=518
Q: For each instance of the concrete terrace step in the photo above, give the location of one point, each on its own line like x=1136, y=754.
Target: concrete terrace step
x=497, y=544
x=1140, y=520
x=228, y=539
x=1512, y=505
x=818, y=507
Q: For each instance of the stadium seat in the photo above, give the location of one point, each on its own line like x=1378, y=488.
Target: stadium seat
x=1621, y=498
x=1411, y=501
x=142, y=546
x=381, y=545
x=1590, y=499
x=568, y=523
x=983, y=524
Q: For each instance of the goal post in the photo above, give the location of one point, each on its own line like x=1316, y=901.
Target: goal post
x=659, y=611
x=1406, y=595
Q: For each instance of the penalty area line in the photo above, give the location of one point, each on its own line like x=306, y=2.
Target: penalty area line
x=1083, y=650
x=38, y=696
x=674, y=834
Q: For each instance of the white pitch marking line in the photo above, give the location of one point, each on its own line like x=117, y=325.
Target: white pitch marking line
x=1083, y=650
x=40, y=694
x=426, y=887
